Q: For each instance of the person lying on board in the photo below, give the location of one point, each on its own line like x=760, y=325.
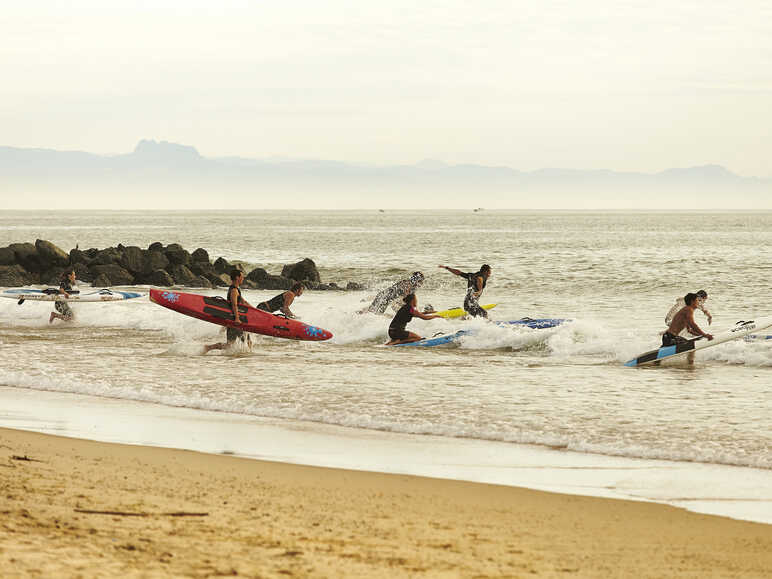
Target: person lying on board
x=235, y=300
x=702, y=297
x=683, y=323
x=397, y=331
x=475, y=283
x=65, y=313
x=399, y=290
x=283, y=301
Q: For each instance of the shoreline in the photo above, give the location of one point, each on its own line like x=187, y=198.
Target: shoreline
x=738, y=492
x=74, y=506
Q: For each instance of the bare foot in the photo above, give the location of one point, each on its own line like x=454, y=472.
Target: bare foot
x=51, y=318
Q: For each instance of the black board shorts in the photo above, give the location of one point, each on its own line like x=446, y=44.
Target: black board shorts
x=398, y=334
x=472, y=307
x=669, y=339
x=232, y=334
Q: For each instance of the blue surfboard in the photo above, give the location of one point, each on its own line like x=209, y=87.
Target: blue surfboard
x=536, y=324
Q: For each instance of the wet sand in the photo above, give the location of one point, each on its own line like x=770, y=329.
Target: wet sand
x=73, y=507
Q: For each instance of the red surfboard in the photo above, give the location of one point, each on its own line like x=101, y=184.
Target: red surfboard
x=218, y=311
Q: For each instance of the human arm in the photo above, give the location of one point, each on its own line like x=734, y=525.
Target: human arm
x=452, y=270
x=424, y=316
x=289, y=297
x=694, y=329
x=233, y=298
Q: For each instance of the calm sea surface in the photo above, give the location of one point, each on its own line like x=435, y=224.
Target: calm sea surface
x=614, y=274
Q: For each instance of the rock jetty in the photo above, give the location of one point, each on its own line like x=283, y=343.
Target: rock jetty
x=158, y=265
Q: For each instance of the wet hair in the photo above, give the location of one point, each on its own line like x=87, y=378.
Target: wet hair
x=485, y=267
x=66, y=273
x=408, y=298
x=689, y=298
x=702, y=294
x=235, y=274
x=296, y=286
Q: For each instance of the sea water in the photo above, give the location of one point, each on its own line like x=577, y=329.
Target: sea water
x=614, y=274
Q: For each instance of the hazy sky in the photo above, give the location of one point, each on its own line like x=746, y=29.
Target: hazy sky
x=597, y=84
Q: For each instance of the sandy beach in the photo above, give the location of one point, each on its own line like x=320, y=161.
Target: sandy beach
x=80, y=508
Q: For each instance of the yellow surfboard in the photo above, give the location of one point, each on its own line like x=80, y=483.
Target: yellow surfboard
x=458, y=312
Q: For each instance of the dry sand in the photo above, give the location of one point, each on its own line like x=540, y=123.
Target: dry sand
x=71, y=508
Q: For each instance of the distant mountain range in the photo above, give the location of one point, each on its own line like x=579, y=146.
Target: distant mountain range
x=157, y=168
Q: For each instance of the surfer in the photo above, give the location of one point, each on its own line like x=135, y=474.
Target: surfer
x=63, y=310
x=399, y=290
x=283, y=301
x=235, y=300
x=476, y=283
x=397, y=331
x=702, y=297
x=683, y=322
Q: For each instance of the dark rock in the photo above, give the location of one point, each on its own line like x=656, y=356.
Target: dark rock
x=159, y=278
x=176, y=254
x=133, y=259
x=249, y=284
x=155, y=246
x=323, y=287
x=301, y=271
x=221, y=265
x=153, y=260
x=78, y=256
x=201, y=282
x=200, y=256
x=91, y=253
x=113, y=272
x=82, y=273
x=50, y=254
x=7, y=256
x=101, y=281
x=276, y=282
x=202, y=268
x=258, y=275
x=53, y=276
x=27, y=256
x=334, y=286
x=181, y=274
x=218, y=279
x=354, y=286
x=108, y=256
x=14, y=276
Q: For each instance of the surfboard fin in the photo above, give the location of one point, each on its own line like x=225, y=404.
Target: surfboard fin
x=21, y=301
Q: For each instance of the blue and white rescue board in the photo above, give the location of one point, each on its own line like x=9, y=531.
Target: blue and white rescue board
x=448, y=338
x=53, y=295
x=740, y=330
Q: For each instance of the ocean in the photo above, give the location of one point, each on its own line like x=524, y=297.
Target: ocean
x=615, y=275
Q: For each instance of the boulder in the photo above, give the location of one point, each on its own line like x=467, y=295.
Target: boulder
x=133, y=259
x=27, y=256
x=53, y=276
x=113, y=272
x=258, y=275
x=159, y=278
x=108, y=256
x=221, y=265
x=334, y=286
x=7, y=256
x=218, y=279
x=14, y=276
x=153, y=260
x=249, y=284
x=78, y=256
x=301, y=271
x=200, y=282
x=82, y=273
x=155, y=246
x=276, y=282
x=202, y=268
x=200, y=256
x=176, y=254
x=50, y=254
x=101, y=281
x=91, y=253
x=181, y=274
x=354, y=286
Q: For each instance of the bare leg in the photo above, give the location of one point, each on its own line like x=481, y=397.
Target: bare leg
x=411, y=337
x=690, y=358
x=210, y=347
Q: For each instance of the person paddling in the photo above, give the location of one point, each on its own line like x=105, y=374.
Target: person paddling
x=283, y=301
x=63, y=310
x=476, y=283
x=397, y=331
x=234, y=300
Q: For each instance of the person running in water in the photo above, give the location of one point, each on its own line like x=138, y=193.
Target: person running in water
x=397, y=332
x=400, y=289
x=283, y=301
x=683, y=322
x=65, y=313
x=702, y=297
x=476, y=283
x=235, y=300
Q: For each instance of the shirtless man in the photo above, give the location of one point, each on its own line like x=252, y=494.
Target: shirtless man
x=684, y=320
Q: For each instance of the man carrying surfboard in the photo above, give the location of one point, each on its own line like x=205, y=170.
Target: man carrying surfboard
x=283, y=301
x=476, y=283
x=397, y=332
x=235, y=300
x=65, y=313
x=684, y=320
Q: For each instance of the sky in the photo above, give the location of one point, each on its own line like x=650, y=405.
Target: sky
x=628, y=86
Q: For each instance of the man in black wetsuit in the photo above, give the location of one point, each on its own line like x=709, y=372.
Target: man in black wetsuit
x=235, y=300
x=397, y=332
x=400, y=289
x=476, y=283
x=283, y=301
x=65, y=313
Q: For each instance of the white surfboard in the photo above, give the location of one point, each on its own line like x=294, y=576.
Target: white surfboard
x=53, y=295
x=739, y=330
